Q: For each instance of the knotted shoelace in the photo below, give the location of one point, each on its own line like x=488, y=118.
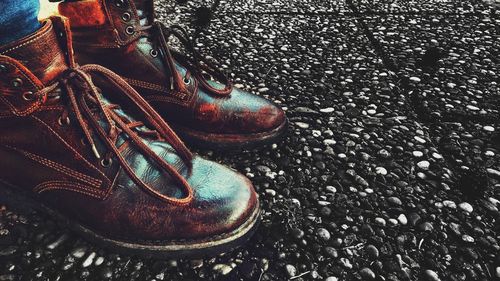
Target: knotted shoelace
x=85, y=102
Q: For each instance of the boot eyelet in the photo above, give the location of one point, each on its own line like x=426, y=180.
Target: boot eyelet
x=153, y=53
x=63, y=121
x=28, y=96
x=187, y=81
x=3, y=68
x=17, y=82
x=129, y=30
x=126, y=16
x=120, y=3
x=106, y=163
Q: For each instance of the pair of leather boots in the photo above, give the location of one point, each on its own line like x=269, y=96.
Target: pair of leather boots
x=84, y=133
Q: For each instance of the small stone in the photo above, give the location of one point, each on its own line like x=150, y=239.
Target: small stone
x=489, y=128
x=331, y=189
x=99, y=261
x=331, y=252
x=79, y=252
x=346, y=263
x=497, y=272
x=380, y=221
x=494, y=201
x=367, y=274
x=384, y=153
x=223, y=269
x=323, y=234
x=316, y=133
x=331, y=278
x=270, y=192
x=291, y=271
x=305, y=110
x=337, y=242
x=414, y=218
x=415, y=79
x=302, y=125
x=426, y=226
x=89, y=260
x=468, y=238
x=419, y=139
x=196, y=263
x=402, y=219
x=489, y=153
x=297, y=233
x=395, y=201
x=450, y=204
x=381, y=171
x=466, y=207
x=437, y=155
x=329, y=142
x=431, y=275
x=424, y=165
x=372, y=251
x=327, y=110
x=472, y=107
x=418, y=154
x=493, y=172
x=455, y=228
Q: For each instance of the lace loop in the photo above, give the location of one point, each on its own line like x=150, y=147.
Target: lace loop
x=196, y=64
x=79, y=104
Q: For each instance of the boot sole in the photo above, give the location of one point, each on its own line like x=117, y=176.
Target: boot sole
x=230, y=141
x=211, y=246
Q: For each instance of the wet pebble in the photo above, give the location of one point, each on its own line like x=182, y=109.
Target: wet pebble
x=367, y=274
x=431, y=275
x=372, y=251
x=291, y=271
x=402, y=219
x=424, y=165
x=323, y=234
x=222, y=269
x=466, y=207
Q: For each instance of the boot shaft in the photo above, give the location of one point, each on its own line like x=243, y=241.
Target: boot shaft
x=108, y=23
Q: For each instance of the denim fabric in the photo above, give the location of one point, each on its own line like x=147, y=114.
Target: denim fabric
x=18, y=18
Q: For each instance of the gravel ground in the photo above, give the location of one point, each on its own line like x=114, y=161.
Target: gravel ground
x=391, y=167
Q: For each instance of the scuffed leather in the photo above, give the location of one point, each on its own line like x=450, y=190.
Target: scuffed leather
x=238, y=113
x=49, y=161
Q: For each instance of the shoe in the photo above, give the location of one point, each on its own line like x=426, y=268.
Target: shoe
x=123, y=36
x=119, y=177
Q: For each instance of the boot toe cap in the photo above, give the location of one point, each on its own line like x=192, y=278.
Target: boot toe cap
x=223, y=198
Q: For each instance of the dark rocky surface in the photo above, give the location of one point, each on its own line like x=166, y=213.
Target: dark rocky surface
x=391, y=167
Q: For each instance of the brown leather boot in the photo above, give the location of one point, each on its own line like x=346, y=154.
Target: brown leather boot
x=123, y=36
x=124, y=180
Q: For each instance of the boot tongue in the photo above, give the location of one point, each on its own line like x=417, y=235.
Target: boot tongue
x=145, y=11
x=40, y=52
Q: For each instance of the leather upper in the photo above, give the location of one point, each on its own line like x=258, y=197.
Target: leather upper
x=123, y=44
x=44, y=151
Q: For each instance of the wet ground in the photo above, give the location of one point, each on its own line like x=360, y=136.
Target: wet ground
x=391, y=167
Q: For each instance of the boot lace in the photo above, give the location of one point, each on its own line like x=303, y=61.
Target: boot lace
x=88, y=100
x=196, y=64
